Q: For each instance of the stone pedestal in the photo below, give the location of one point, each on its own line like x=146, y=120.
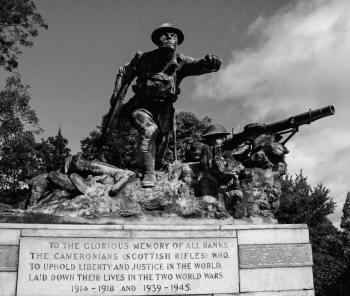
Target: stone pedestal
x=135, y=259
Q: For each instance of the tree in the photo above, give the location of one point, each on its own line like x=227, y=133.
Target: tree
x=302, y=204
x=54, y=151
x=121, y=148
x=19, y=159
x=19, y=23
x=19, y=162
x=119, y=151
x=189, y=129
x=17, y=118
x=331, y=259
x=345, y=225
x=345, y=219
x=90, y=146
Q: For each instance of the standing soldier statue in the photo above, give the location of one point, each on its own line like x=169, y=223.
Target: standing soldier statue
x=158, y=76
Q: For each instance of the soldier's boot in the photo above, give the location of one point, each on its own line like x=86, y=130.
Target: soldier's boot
x=149, y=177
x=146, y=146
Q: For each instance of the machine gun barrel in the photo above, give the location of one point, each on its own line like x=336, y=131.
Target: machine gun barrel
x=289, y=125
x=300, y=119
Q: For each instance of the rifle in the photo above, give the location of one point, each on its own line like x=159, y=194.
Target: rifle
x=174, y=133
x=124, y=78
x=285, y=126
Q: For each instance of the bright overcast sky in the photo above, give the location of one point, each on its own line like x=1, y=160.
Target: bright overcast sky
x=279, y=58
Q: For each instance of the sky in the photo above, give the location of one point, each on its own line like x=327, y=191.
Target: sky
x=280, y=58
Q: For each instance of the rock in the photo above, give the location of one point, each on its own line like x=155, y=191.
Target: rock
x=126, y=207
x=121, y=179
x=258, y=197
x=121, y=195
x=213, y=207
x=4, y=207
x=188, y=207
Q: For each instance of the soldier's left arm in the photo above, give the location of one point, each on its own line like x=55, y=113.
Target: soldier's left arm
x=190, y=66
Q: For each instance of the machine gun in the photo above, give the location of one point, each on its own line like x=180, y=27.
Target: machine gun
x=286, y=126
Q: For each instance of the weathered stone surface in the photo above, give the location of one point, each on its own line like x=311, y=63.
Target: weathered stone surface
x=282, y=293
x=173, y=227
x=9, y=236
x=257, y=275
x=276, y=279
x=273, y=236
x=278, y=255
x=260, y=193
x=8, y=258
x=245, y=226
x=181, y=234
x=75, y=233
x=8, y=283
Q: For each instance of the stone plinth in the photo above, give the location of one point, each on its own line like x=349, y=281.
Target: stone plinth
x=138, y=259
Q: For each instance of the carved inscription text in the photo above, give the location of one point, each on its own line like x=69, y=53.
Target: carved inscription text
x=104, y=266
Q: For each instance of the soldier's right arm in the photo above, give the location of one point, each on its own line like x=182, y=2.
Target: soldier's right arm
x=190, y=66
x=126, y=74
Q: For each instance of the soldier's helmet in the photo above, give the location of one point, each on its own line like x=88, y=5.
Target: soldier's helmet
x=167, y=27
x=215, y=131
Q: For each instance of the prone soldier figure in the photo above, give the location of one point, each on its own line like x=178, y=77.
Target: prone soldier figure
x=70, y=180
x=158, y=76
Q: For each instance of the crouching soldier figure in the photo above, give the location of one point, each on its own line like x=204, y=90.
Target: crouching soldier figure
x=219, y=171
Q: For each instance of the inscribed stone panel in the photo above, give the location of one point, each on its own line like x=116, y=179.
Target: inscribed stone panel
x=254, y=256
x=52, y=266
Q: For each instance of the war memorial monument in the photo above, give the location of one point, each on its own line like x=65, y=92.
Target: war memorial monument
x=205, y=226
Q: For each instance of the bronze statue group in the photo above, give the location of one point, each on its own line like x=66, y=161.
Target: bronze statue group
x=242, y=172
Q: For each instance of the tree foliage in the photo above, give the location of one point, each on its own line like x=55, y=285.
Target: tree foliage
x=302, y=204
x=119, y=151
x=16, y=115
x=121, y=147
x=330, y=249
x=19, y=162
x=90, y=146
x=19, y=159
x=345, y=219
x=19, y=23
x=54, y=151
x=189, y=129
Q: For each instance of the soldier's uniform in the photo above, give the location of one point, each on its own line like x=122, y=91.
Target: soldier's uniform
x=151, y=108
x=217, y=169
